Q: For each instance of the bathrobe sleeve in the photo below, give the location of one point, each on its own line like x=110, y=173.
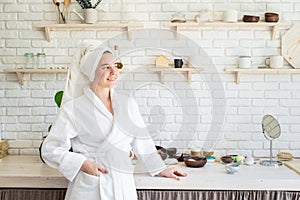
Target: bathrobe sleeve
x=143, y=145
x=55, y=148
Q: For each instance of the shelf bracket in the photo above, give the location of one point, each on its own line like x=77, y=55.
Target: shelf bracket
x=274, y=29
x=20, y=76
x=189, y=76
x=47, y=33
x=238, y=77
x=162, y=77
x=129, y=32
x=177, y=29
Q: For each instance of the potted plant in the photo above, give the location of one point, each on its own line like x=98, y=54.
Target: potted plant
x=88, y=4
x=57, y=98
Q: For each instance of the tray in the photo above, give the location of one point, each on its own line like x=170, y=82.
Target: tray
x=290, y=44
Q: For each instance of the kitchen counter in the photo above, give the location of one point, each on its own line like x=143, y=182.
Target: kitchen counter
x=30, y=172
x=26, y=177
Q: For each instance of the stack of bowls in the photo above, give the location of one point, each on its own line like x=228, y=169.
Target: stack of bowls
x=271, y=17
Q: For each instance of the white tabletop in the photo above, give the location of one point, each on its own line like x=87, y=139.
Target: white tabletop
x=30, y=172
x=214, y=177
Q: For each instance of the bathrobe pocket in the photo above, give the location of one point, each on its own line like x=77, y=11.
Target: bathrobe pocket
x=85, y=186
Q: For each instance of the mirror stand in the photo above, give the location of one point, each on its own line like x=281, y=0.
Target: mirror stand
x=271, y=162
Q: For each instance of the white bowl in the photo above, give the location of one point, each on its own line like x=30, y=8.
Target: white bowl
x=232, y=168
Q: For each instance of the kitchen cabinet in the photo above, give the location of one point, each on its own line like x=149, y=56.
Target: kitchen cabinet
x=49, y=27
x=20, y=72
x=238, y=72
x=195, y=25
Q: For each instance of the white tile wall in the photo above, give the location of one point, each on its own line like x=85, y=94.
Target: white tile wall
x=189, y=118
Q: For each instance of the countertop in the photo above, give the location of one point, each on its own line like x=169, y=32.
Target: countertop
x=30, y=172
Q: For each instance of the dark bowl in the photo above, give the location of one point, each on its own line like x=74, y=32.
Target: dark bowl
x=250, y=18
x=271, y=17
x=162, y=152
x=195, y=161
x=227, y=159
x=182, y=157
x=171, y=151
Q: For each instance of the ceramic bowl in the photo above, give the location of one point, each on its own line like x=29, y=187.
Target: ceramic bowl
x=271, y=17
x=195, y=161
x=171, y=151
x=162, y=152
x=232, y=168
x=208, y=153
x=250, y=18
x=226, y=159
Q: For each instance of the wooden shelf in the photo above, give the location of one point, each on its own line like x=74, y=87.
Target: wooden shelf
x=187, y=70
x=49, y=27
x=20, y=72
x=238, y=71
x=188, y=25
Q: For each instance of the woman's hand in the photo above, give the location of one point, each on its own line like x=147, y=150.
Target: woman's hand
x=171, y=173
x=92, y=168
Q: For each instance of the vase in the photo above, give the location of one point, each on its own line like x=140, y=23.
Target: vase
x=90, y=16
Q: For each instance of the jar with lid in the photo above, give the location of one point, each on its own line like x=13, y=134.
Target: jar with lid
x=41, y=60
x=29, y=60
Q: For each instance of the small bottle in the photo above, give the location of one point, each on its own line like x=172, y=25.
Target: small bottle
x=41, y=60
x=118, y=61
x=29, y=60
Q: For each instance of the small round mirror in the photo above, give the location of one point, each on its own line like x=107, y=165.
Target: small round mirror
x=270, y=127
x=271, y=130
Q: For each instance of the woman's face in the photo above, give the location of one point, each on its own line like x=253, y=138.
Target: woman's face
x=106, y=74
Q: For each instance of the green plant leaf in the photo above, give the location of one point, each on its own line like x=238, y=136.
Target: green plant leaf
x=58, y=98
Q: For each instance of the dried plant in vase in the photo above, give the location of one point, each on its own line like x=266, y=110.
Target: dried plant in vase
x=87, y=4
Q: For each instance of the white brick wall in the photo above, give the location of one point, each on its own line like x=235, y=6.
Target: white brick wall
x=28, y=110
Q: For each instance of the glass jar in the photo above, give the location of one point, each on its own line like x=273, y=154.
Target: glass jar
x=29, y=60
x=41, y=60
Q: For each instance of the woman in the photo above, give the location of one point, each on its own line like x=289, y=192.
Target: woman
x=102, y=128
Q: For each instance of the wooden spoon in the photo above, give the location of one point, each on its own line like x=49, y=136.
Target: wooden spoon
x=66, y=5
x=58, y=4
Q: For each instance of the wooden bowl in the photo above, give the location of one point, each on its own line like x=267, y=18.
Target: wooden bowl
x=208, y=153
x=227, y=159
x=271, y=17
x=195, y=161
x=182, y=157
x=250, y=18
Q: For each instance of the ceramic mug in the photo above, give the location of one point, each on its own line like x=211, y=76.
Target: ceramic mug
x=195, y=152
x=178, y=62
x=274, y=62
x=245, y=62
x=230, y=16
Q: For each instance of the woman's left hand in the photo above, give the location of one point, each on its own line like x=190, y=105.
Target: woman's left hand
x=172, y=173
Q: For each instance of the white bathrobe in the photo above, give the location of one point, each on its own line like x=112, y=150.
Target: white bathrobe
x=95, y=134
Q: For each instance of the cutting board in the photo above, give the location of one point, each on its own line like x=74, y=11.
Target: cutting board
x=293, y=165
x=290, y=44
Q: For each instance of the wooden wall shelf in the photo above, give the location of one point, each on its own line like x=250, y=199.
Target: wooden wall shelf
x=238, y=71
x=20, y=72
x=49, y=27
x=189, y=71
x=188, y=25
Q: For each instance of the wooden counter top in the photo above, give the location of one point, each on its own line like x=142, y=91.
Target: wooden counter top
x=30, y=172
